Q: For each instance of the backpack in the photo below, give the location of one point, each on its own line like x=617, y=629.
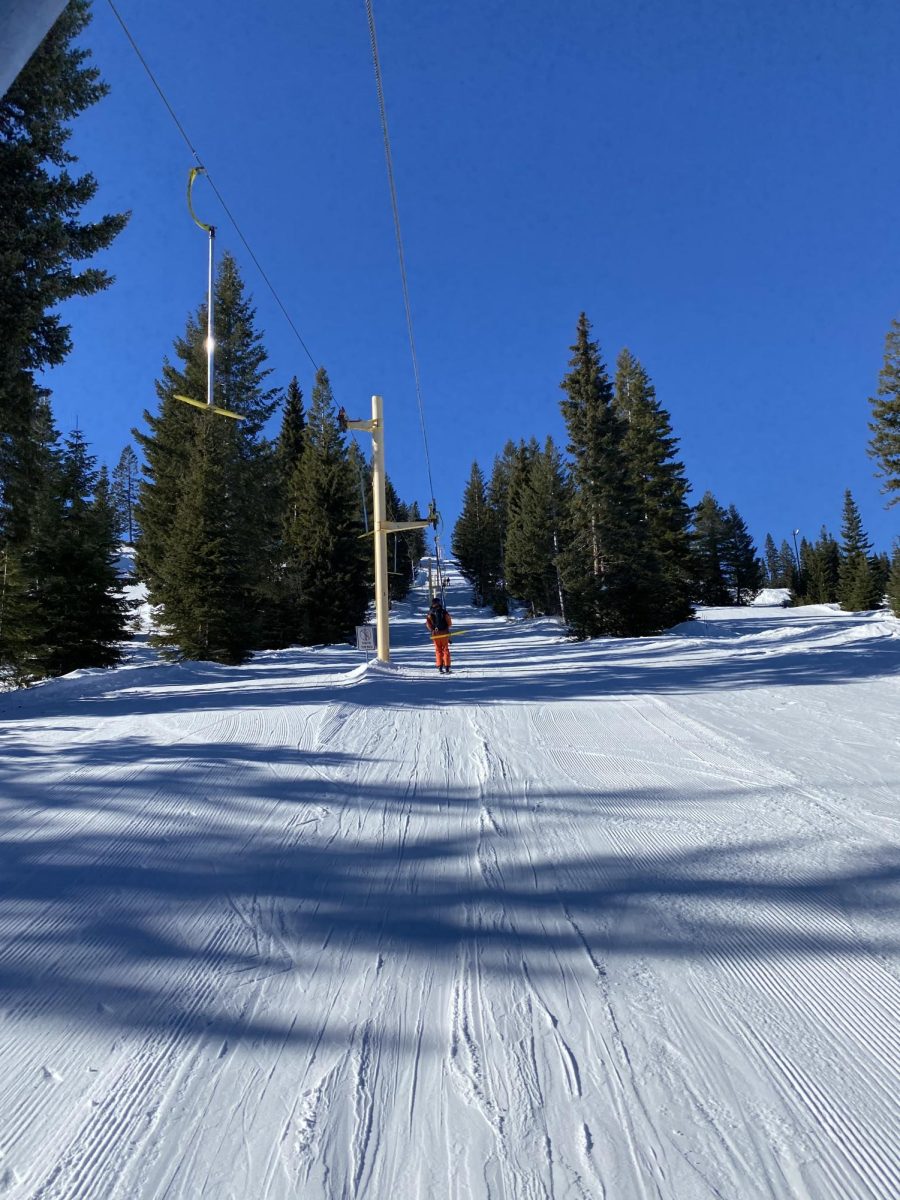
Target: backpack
x=439, y=616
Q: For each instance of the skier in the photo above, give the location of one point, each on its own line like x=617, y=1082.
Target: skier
x=439, y=622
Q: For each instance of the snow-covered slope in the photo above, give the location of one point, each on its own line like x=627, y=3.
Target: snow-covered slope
x=612, y=919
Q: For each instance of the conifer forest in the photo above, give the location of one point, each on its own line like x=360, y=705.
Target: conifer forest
x=250, y=534
x=493, y=797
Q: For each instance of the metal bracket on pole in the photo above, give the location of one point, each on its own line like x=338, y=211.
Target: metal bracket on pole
x=365, y=426
x=382, y=527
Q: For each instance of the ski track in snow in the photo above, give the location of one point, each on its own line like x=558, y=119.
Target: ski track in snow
x=599, y=920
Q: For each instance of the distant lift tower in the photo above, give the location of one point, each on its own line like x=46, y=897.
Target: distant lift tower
x=382, y=527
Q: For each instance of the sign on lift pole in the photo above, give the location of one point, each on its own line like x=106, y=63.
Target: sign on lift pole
x=382, y=527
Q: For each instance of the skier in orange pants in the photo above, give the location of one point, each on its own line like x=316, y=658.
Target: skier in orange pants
x=439, y=622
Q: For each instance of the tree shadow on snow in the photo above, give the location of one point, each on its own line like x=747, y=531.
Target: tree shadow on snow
x=178, y=910
x=487, y=670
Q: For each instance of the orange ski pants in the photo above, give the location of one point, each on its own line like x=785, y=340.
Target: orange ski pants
x=441, y=649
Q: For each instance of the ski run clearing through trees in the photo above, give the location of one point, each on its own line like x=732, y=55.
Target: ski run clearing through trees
x=607, y=919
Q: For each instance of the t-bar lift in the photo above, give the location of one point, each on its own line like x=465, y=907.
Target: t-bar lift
x=210, y=404
x=382, y=526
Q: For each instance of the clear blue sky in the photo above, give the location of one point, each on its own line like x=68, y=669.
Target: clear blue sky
x=717, y=184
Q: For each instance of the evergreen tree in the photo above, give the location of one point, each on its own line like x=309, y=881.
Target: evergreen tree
x=21, y=628
x=415, y=539
x=859, y=589
x=884, y=446
x=608, y=573
x=290, y=439
x=498, y=501
x=126, y=480
x=857, y=586
x=168, y=453
x=241, y=380
x=43, y=243
x=829, y=556
x=401, y=547
x=820, y=568
x=208, y=507
x=365, y=502
x=880, y=566
x=660, y=485
x=800, y=579
x=514, y=476
x=475, y=542
x=779, y=565
x=806, y=579
x=328, y=560
x=276, y=611
x=741, y=568
x=709, y=534
x=893, y=589
x=208, y=612
x=71, y=566
x=787, y=564
x=538, y=520
x=24, y=616
x=770, y=559
x=498, y=485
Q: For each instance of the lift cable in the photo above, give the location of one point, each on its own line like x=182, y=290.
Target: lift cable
x=211, y=182
x=196, y=156
x=396, y=211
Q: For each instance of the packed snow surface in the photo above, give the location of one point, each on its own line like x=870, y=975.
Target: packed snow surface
x=612, y=919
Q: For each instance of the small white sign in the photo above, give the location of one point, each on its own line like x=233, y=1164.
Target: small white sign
x=365, y=637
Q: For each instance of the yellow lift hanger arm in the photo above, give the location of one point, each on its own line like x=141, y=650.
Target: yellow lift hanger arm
x=210, y=310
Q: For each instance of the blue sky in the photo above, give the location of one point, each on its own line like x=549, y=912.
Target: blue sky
x=717, y=184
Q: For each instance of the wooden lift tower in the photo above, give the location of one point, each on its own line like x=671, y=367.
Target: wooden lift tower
x=382, y=527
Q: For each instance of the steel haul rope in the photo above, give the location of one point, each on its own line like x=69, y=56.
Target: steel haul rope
x=396, y=212
x=211, y=182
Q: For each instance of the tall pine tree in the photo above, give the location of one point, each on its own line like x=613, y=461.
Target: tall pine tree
x=498, y=501
x=770, y=559
x=858, y=587
x=328, y=561
x=537, y=530
x=475, y=542
x=71, y=567
x=277, y=599
x=885, y=425
x=708, y=538
x=126, y=479
x=607, y=566
x=43, y=244
x=22, y=628
x=291, y=436
x=23, y=616
x=401, y=547
x=742, y=569
x=512, y=519
x=893, y=588
x=823, y=572
x=880, y=565
x=208, y=511
x=661, y=486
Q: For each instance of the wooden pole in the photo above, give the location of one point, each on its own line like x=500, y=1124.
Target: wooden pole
x=382, y=625
x=382, y=527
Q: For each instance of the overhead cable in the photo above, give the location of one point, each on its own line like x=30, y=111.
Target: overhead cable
x=396, y=211
x=219, y=196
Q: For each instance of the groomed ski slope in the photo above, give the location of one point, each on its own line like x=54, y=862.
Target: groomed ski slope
x=611, y=919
